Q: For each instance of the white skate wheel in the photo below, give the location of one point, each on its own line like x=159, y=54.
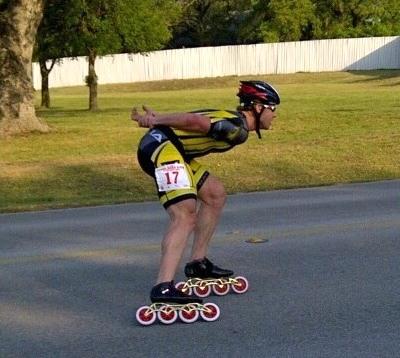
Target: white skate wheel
x=167, y=315
x=221, y=289
x=241, y=286
x=145, y=316
x=210, y=313
x=188, y=314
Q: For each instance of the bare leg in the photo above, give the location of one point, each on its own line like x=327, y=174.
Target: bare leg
x=182, y=223
x=212, y=196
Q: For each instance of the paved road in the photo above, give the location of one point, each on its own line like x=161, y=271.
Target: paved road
x=325, y=284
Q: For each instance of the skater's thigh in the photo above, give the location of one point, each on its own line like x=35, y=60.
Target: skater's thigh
x=183, y=209
x=174, y=177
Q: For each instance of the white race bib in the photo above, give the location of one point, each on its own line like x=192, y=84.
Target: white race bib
x=171, y=177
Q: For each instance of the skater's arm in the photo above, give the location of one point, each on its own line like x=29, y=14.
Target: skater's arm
x=193, y=122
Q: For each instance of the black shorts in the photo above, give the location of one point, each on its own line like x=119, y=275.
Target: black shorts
x=161, y=156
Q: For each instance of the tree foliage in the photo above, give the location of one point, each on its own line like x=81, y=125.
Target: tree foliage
x=279, y=20
x=53, y=35
x=94, y=28
x=52, y=42
x=223, y=22
x=113, y=26
x=209, y=22
x=358, y=18
x=109, y=26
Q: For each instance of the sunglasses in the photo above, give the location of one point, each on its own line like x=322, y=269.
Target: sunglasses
x=271, y=107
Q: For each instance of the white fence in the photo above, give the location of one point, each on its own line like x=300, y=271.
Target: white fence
x=289, y=57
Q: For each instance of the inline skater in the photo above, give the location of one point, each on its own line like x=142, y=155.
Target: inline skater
x=192, y=197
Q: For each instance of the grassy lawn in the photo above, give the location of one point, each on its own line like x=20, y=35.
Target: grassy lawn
x=331, y=128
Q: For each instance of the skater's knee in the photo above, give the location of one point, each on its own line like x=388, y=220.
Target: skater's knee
x=186, y=219
x=213, y=193
x=183, y=214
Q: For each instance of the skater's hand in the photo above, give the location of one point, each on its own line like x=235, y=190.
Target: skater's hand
x=147, y=120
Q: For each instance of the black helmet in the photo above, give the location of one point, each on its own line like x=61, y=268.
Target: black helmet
x=257, y=92
x=251, y=92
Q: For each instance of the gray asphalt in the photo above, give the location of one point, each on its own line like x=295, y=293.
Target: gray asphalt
x=325, y=283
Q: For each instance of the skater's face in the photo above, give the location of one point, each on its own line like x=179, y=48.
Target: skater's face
x=268, y=114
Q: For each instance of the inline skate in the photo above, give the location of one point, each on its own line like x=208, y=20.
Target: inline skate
x=204, y=277
x=169, y=303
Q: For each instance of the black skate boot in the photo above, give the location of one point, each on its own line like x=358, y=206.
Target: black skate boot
x=167, y=293
x=205, y=269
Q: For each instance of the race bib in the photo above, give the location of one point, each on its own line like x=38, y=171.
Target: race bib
x=171, y=177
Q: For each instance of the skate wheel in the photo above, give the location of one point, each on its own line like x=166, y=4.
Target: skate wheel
x=167, y=315
x=145, y=315
x=221, y=289
x=202, y=291
x=188, y=314
x=181, y=287
x=241, y=286
x=211, y=312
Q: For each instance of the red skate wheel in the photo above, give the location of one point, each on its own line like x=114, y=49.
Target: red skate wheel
x=188, y=314
x=210, y=313
x=221, y=289
x=145, y=315
x=167, y=315
x=181, y=286
x=202, y=291
x=241, y=286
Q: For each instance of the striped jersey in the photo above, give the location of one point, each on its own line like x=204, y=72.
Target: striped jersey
x=199, y=144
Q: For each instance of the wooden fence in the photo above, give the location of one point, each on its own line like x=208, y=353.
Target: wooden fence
x=274, y=58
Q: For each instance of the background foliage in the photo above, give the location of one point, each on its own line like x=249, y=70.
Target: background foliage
x=144, y=25
x=97, y=27
x=223, y=22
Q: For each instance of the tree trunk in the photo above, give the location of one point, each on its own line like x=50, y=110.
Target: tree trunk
x=19, y=21
x=91, y=81
x=44, y=72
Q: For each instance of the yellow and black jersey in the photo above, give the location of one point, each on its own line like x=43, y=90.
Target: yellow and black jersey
x=167, y=154
x=228, y=128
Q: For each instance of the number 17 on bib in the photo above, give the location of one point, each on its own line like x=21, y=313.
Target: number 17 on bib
x=171, y=177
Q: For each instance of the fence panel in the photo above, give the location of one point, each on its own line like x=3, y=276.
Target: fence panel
x=275, y=58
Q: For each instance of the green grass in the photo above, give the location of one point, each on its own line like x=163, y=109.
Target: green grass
x=331, y=128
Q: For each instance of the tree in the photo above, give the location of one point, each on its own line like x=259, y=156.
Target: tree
x=279, y=20
x=52, y=42
x=103, y=27
x=19, y=20
x=209, y=23
x=291, y=20
x=227, y=22
x=358, y=18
